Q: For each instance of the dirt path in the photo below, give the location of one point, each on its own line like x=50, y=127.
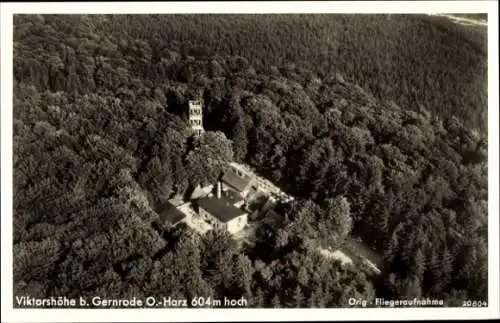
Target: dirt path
x=463, y=20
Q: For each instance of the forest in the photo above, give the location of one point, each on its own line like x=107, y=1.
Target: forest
x=377, y=126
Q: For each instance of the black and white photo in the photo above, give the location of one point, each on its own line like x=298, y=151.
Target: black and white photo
x=205, y=161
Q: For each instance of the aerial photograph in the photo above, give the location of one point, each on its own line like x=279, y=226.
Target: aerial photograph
x=323, y=160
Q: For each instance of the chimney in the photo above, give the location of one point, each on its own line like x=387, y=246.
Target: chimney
x=218, y=190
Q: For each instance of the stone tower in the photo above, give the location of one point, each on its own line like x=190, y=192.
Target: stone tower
x=196, y=117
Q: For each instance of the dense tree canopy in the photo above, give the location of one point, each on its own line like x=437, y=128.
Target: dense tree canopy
x=100, y=137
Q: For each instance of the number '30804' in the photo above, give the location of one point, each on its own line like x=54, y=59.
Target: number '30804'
x=470, y=303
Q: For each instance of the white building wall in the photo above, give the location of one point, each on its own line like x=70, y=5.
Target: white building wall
x=213, y=221
x=237, y=223
x=226, y=187
x=232, y=226
x=196, y=117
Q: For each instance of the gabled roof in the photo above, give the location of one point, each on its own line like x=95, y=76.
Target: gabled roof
x=168, y=212
x=220, y=208
x=235, y=181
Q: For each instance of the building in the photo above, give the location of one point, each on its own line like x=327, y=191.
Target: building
x=196, y=117
x=259, y=183
x=234, y=182
x=227, y=204
x=170, y=213
x=220, y=213
x=257, y=191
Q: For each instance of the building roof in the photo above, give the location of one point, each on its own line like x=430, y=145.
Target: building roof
x=234, y=180
x=220, y=208
x=168, y=212
x=232, y=197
